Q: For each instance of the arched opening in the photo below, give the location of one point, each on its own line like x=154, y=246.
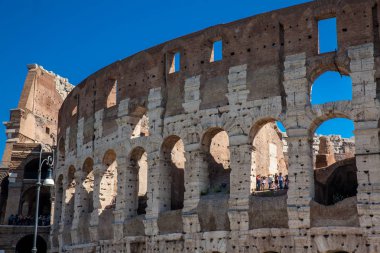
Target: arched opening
x=108, y=193
x=172, y=172
x=58, y=209
x=86, y=189
x=331, y=86
x=137, y=179
x=269, y=158
x=70, y=204
x=25, y=244
x=88, y=186
x=31, y=169
x=61, y=150
x=3, y=198
x=28, y=206
x=215, y=178
x=140, y=122
x=334, y=162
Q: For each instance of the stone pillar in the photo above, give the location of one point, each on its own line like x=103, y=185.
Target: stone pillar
x=78, y=207
x=153, y=203
x=155, y=111
x=192, y=94
x=237, y=86
x=94, y=221
x=195, y=184
x=367, y=153
x=120, y=198
x=301, y=179
x=241, y=180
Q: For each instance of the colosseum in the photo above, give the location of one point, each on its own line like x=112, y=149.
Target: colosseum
x=161, y=151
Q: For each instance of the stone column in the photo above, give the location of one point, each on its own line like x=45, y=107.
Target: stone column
x=120, y=198
x=301, y=179
x=63, y=214
x=367, y=153
x=195, y=183
x=78, y=207
x=241, y=180
x=94, y=221
x=153, y=203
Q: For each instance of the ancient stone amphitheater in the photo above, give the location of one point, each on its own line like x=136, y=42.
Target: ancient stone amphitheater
x=159, y=152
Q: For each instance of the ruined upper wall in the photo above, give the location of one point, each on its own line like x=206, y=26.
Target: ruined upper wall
x=262, y=42
x=35, y=119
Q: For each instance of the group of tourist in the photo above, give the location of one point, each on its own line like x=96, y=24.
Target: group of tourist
x=20, y=220
x=272, y=182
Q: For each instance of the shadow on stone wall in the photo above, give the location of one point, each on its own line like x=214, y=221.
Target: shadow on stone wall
x=343, y=213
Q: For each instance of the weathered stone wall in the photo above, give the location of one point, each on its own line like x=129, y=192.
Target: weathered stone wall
x=33, y=122
x=269, y=65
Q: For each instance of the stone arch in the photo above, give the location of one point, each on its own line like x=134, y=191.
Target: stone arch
x=172, y=164
x=269, y=166
x=215, y=175
x=139, y=121
x=341, y=81
x=69, y=192
x=136, y=178
x=31, y=169
x=107, y=194
x=335, y=172
x=61, y=150
x=25, y=244
x=88, y=185
x=318, y=121
x=28, y=202
x=3, y=198
x=85, y=197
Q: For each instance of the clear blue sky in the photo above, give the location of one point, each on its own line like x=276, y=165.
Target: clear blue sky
x=74, y=38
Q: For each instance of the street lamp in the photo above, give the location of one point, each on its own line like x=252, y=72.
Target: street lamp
x=49, y=182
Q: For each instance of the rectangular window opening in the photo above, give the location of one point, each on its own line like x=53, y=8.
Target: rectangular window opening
x=327, y=35
x=112, y=93
x=175, y=66
x=217, y=51
x=378, y=88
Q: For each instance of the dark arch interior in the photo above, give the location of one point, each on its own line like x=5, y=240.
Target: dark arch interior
x=28, y=202
x=25, y=245
x=31, y=169
x=172, y=152
x=135, y=159
x=215, y=144
x=3, y=198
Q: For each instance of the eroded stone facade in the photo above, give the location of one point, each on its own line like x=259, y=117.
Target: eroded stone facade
x=33, y=122
x=133, y=114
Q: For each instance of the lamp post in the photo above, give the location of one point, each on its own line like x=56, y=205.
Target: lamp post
x=49, y=182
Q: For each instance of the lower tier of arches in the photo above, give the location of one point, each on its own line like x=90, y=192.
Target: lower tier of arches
x=314, y=240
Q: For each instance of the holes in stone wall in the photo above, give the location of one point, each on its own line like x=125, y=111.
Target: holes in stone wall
x=175, y=63
x=88, y=186
x=330, y=87
x=172, y=170
x=270, y=159
x=137, y=182
x=216, y=175
x=334, y=163
x=58, y=202
x=61, y=150
x=141, y=128
x=327, y=35
x=217, y=51
x=108, y=183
